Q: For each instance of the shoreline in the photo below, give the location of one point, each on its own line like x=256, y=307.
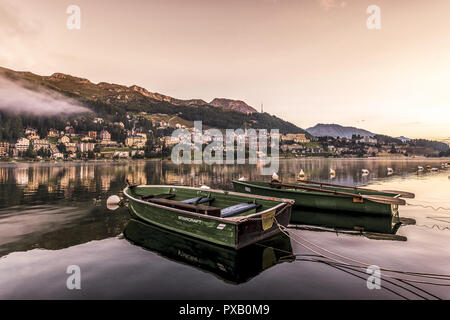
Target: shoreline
x=17, y=163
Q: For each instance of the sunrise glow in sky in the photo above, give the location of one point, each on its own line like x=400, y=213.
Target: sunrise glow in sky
x=308, y=61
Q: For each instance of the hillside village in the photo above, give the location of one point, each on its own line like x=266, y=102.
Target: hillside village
x=117, y=121
x=145, y=135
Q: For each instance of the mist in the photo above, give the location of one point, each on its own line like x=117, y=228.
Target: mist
x=17, y=99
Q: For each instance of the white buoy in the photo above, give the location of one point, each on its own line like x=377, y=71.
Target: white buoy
x=113, y=202
x=390, y=171
x=365, y=172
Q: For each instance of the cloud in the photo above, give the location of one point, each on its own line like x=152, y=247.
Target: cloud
x=14, y=23
x=19, y=33
x=16, y=98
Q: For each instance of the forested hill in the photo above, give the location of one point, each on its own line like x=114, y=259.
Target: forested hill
x=113, y=102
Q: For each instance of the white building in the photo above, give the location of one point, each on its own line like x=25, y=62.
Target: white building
x=86, y=147
x=368, y=140
x=22, y=144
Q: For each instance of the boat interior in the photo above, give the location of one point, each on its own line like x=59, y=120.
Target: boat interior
x=303, y=187
x=211, y=203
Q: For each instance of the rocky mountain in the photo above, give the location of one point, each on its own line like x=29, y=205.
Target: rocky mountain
x=110, y=93
x=235, y=105
x=335, y=130
x=109, y=99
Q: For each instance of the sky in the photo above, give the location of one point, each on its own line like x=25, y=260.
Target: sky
x=307, y=61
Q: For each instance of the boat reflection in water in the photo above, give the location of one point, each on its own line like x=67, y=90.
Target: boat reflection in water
x=347, y=221
x=230, y=265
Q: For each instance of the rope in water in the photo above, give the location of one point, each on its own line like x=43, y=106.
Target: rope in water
x=424, y=275
x=434, y=226
x=314, y=258
x=356, y=269
x=427, y=207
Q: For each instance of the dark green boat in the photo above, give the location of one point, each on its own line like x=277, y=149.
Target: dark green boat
x=232, y=266
x=328, y=197
x=226, y=218
x=382, y=224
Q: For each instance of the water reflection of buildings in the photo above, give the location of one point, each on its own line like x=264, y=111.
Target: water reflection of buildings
x=137, y=177
x=69, y=175
x=105, y=182
x=87, y=177
x=21, y=176
x=3, y=175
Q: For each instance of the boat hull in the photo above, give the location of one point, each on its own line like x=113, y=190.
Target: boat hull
x=346, y=221
x=232, y=266
x=319, y=201
x=226, y=232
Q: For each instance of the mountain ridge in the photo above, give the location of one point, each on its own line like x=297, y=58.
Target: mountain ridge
x=336, y=130
x=123, y=93
x=114, y=100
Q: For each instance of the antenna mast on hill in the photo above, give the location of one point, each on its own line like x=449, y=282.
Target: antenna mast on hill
x=262, y=107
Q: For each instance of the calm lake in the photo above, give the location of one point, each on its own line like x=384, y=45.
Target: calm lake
x=53, y=216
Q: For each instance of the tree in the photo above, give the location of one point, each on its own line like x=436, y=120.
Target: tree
x=30, y=152
x=62, y=148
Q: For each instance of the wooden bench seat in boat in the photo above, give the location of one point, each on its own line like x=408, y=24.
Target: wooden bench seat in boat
x=208, y=210
x=198, y=200
x=238, y=209
x=211, y=211
x=159, y=196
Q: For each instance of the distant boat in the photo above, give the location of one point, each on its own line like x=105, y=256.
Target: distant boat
x=301, y=175
x=242, y=179
x=434, y=169
x=420, y=168
x=325, y=196
x=390, y=171
x=275, y=177
x=365, y=172
x=332, y=173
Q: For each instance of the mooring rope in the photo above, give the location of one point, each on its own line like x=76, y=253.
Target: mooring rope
x=417, y=274
x=434, y=226
x=338, y=266
x=427, y=207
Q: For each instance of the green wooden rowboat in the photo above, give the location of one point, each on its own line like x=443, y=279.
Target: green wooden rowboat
x=382, y=224
x=229, y=265
x=327, y=198
x=226, y=218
